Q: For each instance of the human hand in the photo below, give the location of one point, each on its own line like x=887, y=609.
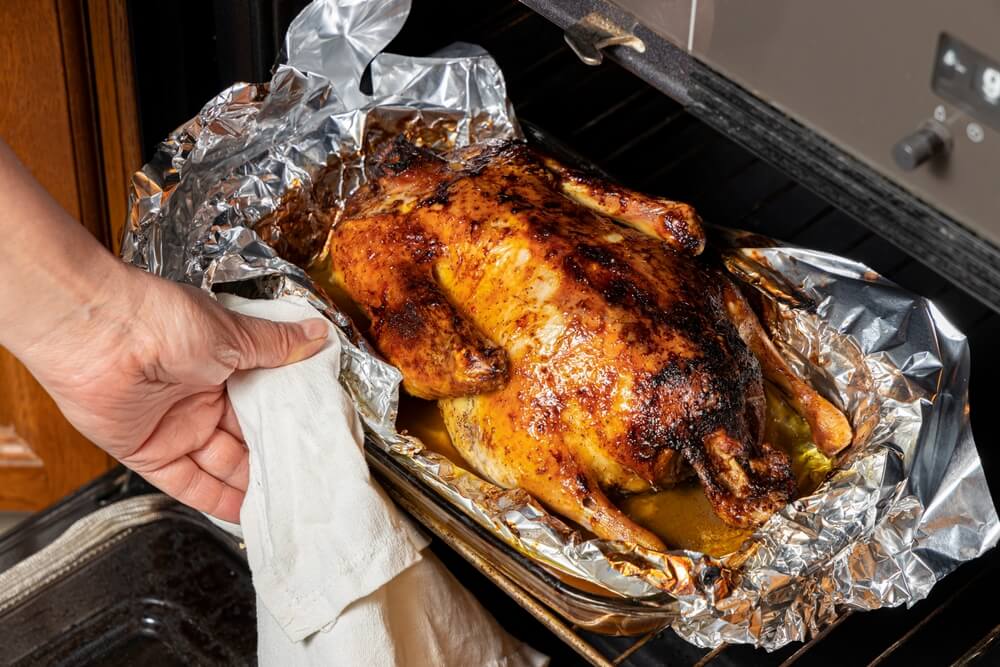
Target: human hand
x=141, y=371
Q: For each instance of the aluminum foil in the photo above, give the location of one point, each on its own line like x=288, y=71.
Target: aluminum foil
x=259, y=176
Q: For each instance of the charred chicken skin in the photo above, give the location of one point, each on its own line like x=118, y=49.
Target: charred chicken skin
x=576, y=344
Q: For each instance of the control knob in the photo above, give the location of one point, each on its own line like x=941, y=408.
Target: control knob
x=931, y=140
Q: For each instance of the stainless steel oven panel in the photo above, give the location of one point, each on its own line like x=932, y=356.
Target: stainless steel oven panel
x=860, y=74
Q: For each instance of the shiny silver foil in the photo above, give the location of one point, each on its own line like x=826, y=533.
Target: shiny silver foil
x=904, y=507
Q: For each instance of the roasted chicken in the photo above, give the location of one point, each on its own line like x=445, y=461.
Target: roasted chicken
x=577, y=346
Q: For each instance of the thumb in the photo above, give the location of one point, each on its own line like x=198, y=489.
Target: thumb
x=267, y=344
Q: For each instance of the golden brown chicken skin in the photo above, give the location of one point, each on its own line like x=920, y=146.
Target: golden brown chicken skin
x=572, y=355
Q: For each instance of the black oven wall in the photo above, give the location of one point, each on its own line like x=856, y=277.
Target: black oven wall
x=186, y=51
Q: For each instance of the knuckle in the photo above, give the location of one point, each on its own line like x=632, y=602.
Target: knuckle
x=284, y=338
x=238, y=344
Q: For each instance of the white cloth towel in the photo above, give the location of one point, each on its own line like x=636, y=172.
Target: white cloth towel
x=338, y=570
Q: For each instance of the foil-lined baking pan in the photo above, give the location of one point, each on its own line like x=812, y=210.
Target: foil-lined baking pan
x=255, y=180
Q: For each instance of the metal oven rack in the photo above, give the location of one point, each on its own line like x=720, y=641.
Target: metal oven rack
x=950, y=627
x=894, y=637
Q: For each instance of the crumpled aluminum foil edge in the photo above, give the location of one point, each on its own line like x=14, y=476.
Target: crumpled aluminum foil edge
x=902, y=510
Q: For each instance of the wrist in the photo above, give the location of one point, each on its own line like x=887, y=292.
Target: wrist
x=69, y=305
x=55, y=278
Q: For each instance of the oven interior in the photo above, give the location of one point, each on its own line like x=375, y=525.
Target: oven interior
x=648, y=141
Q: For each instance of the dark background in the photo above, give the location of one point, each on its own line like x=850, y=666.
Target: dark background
x=186, y=51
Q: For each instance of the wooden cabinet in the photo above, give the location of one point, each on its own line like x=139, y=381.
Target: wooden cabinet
x=68, y=109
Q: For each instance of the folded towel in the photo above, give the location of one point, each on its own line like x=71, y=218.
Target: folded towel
x=338, y=570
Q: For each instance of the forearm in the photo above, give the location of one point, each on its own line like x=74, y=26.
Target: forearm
x=137, y=364
x=53, y=273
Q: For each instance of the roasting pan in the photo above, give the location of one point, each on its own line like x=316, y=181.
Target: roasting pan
x=598, y=612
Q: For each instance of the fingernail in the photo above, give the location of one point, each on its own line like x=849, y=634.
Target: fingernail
x=315, y=329
x=316, y=332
